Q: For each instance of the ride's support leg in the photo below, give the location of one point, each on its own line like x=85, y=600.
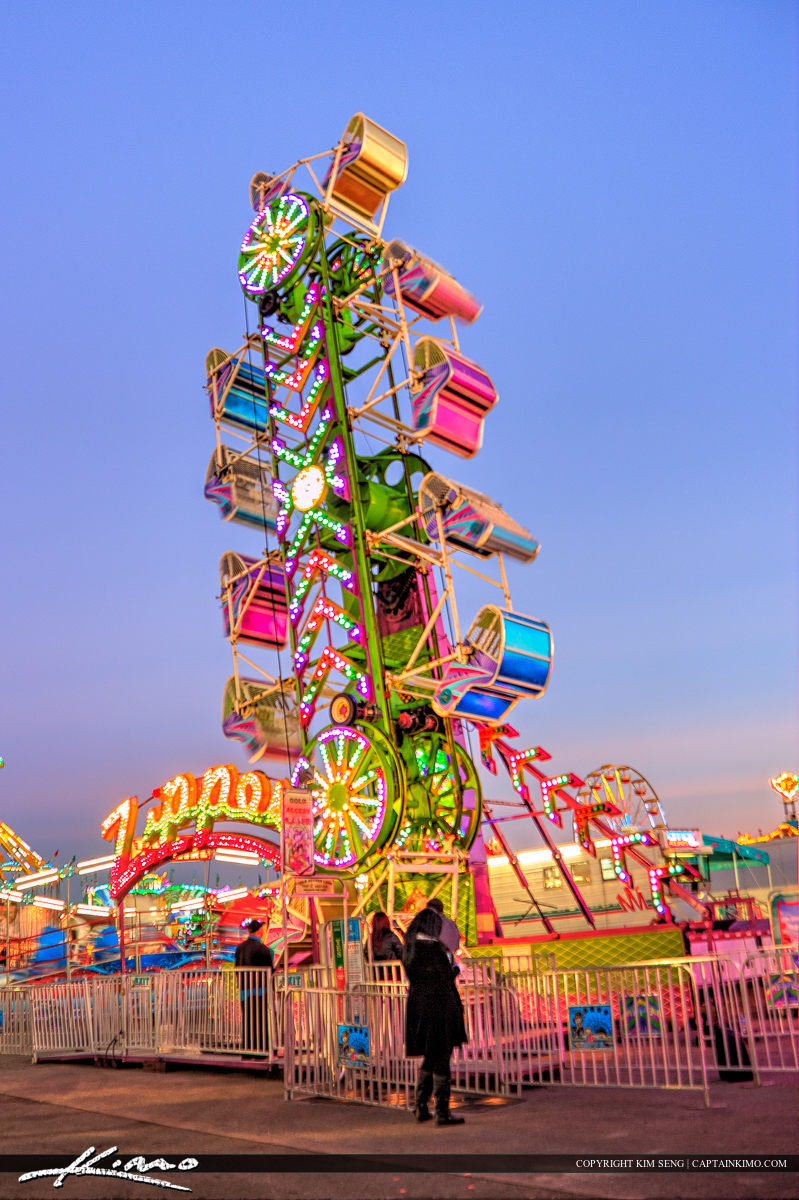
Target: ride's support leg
x=441, y=1091
x=424, y=1090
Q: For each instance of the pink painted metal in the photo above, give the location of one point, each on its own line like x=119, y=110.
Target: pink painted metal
x=451, y=398
x=254, y=601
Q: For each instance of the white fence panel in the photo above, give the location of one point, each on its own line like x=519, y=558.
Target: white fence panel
x=108, y=1015
x=629, y=1026
x=62, y=1019
x=770, y=989
x=16, y=1035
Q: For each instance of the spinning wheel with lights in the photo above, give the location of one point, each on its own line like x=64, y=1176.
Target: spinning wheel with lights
x=357, y=789
x=640, y=809
x=279, y=246
x=443, y=802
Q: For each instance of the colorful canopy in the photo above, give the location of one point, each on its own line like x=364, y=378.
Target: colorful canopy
x=723, y=850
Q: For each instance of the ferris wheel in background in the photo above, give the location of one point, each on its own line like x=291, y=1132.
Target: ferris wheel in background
x=637, y=801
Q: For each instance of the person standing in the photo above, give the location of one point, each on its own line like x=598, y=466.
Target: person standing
x=252, y=990
x=450, y=934
x=434, y=1023
x=385, y=944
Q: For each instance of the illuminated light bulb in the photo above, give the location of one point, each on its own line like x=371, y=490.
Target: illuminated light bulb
x=309, y=488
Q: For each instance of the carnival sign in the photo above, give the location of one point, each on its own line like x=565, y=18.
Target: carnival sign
x=296, y=832
x=220, y=794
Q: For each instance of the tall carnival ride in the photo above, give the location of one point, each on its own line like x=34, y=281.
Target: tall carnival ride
x=373, y=689
x=353, y=675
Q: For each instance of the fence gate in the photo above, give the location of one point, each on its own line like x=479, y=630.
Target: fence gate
x=15, y=1022
x=348, y=1045
x=769, y=984
x=61, y=1016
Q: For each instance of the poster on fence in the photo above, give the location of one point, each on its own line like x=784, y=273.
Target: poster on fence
x=782, y=991
x=355, y=973
x=590, y=1027
x=642, y=1016
x=353, y=1045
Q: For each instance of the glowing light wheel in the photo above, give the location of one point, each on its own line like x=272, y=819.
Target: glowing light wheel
x=640, y=808
x=281, y=241
x=357, y=790
x=444, y=803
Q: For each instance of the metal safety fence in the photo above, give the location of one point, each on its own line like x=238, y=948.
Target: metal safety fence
x=769, y=982
x=619, y=1026
x=348, y=1045
x=62, y=1016
x=200, y=1013
x=671, y=1024
x=15, y=1021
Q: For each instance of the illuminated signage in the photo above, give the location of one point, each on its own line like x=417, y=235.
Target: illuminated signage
x=220, y=794
x=683, y=839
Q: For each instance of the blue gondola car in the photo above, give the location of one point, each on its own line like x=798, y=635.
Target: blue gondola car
x=237, y=390
x=511, y=658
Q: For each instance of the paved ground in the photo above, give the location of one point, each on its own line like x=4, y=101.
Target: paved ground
x=65, y=1108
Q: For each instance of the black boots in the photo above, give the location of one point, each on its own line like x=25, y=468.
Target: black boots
x=441, y=1089
x=428, y=1084
x=424, y=1090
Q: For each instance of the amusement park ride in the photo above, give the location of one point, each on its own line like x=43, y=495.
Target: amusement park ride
x=352, y=670
x=351, y=367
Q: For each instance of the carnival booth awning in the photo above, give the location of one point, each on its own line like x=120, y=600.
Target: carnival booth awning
x=723, y=851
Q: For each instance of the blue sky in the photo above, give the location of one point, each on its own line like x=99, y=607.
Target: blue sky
x=615, y=181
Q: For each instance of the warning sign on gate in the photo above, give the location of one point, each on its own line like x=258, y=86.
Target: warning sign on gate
x=318, y=885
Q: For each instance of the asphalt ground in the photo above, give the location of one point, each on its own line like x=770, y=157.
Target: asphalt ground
x=64, y=1108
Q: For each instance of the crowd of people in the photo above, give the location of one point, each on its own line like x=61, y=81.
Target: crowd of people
x=434, y=1020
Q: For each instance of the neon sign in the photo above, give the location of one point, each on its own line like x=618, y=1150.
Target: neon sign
x=221, y=794
x=787, y=785
x=683, y=839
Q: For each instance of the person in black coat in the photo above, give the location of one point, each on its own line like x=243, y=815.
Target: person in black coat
x=254, y=1021
x=434, y=1023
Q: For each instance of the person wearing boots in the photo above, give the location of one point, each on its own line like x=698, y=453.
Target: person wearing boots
x=434, y=1023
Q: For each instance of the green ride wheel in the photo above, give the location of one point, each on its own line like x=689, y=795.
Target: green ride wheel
x=357, y=786
x=443, y=801
x=353, y=265
x=280, y=245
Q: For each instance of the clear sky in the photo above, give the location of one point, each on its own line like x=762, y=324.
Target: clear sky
x=616, y=181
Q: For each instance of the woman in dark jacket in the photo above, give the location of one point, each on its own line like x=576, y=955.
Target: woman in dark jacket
x=385, y=943
x=434, y=1017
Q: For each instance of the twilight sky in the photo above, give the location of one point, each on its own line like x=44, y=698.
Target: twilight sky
x=615, y=181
